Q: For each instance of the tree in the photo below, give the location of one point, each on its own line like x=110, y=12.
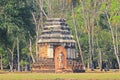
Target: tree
x=79, y=45
x=89, y=23
x=112, y=13
x=16, y=21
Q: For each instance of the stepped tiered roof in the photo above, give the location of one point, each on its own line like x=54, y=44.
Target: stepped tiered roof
x=56, y=31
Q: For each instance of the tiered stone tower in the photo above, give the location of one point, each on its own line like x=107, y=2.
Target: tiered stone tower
x=56, y=48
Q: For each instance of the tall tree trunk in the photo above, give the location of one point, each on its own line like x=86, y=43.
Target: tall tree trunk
x=36, y=45
x=89, y=40
x=100, y=59
x=117, y=46
x=11, y=63
x=99, y=52
x=90, y=49
x=1, y=62
x=92, y=29
x=18, y=54
x=62, y=8
x=79, y=45
x=50, y=8
x=39, y=24
x=89, y=16
x=30, y=48
x=87, y=25
x=92, y=44
x=37, y=32
x=26, y=67
x=40, y=4
x=10, y=66
x=113, y=39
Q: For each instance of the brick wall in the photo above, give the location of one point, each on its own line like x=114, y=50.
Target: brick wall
x=43, y=50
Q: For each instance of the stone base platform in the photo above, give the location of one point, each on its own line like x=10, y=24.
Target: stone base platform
x=48, y=66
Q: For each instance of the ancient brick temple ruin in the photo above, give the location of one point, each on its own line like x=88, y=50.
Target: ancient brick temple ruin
x=57, y=51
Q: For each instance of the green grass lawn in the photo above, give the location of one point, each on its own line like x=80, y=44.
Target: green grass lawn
x=60, y=76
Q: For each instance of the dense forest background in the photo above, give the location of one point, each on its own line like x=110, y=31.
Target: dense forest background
x=95, y=25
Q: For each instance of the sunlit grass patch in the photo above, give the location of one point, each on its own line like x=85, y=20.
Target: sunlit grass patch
x=60, y=76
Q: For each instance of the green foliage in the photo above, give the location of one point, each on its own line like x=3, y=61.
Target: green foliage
x=15, y=21
x=23, y=63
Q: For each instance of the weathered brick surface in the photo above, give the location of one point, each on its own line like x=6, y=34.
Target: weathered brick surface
x=60, y=64
x=43, y=51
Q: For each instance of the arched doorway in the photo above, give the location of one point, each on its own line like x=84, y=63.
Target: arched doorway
x=60, y=58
